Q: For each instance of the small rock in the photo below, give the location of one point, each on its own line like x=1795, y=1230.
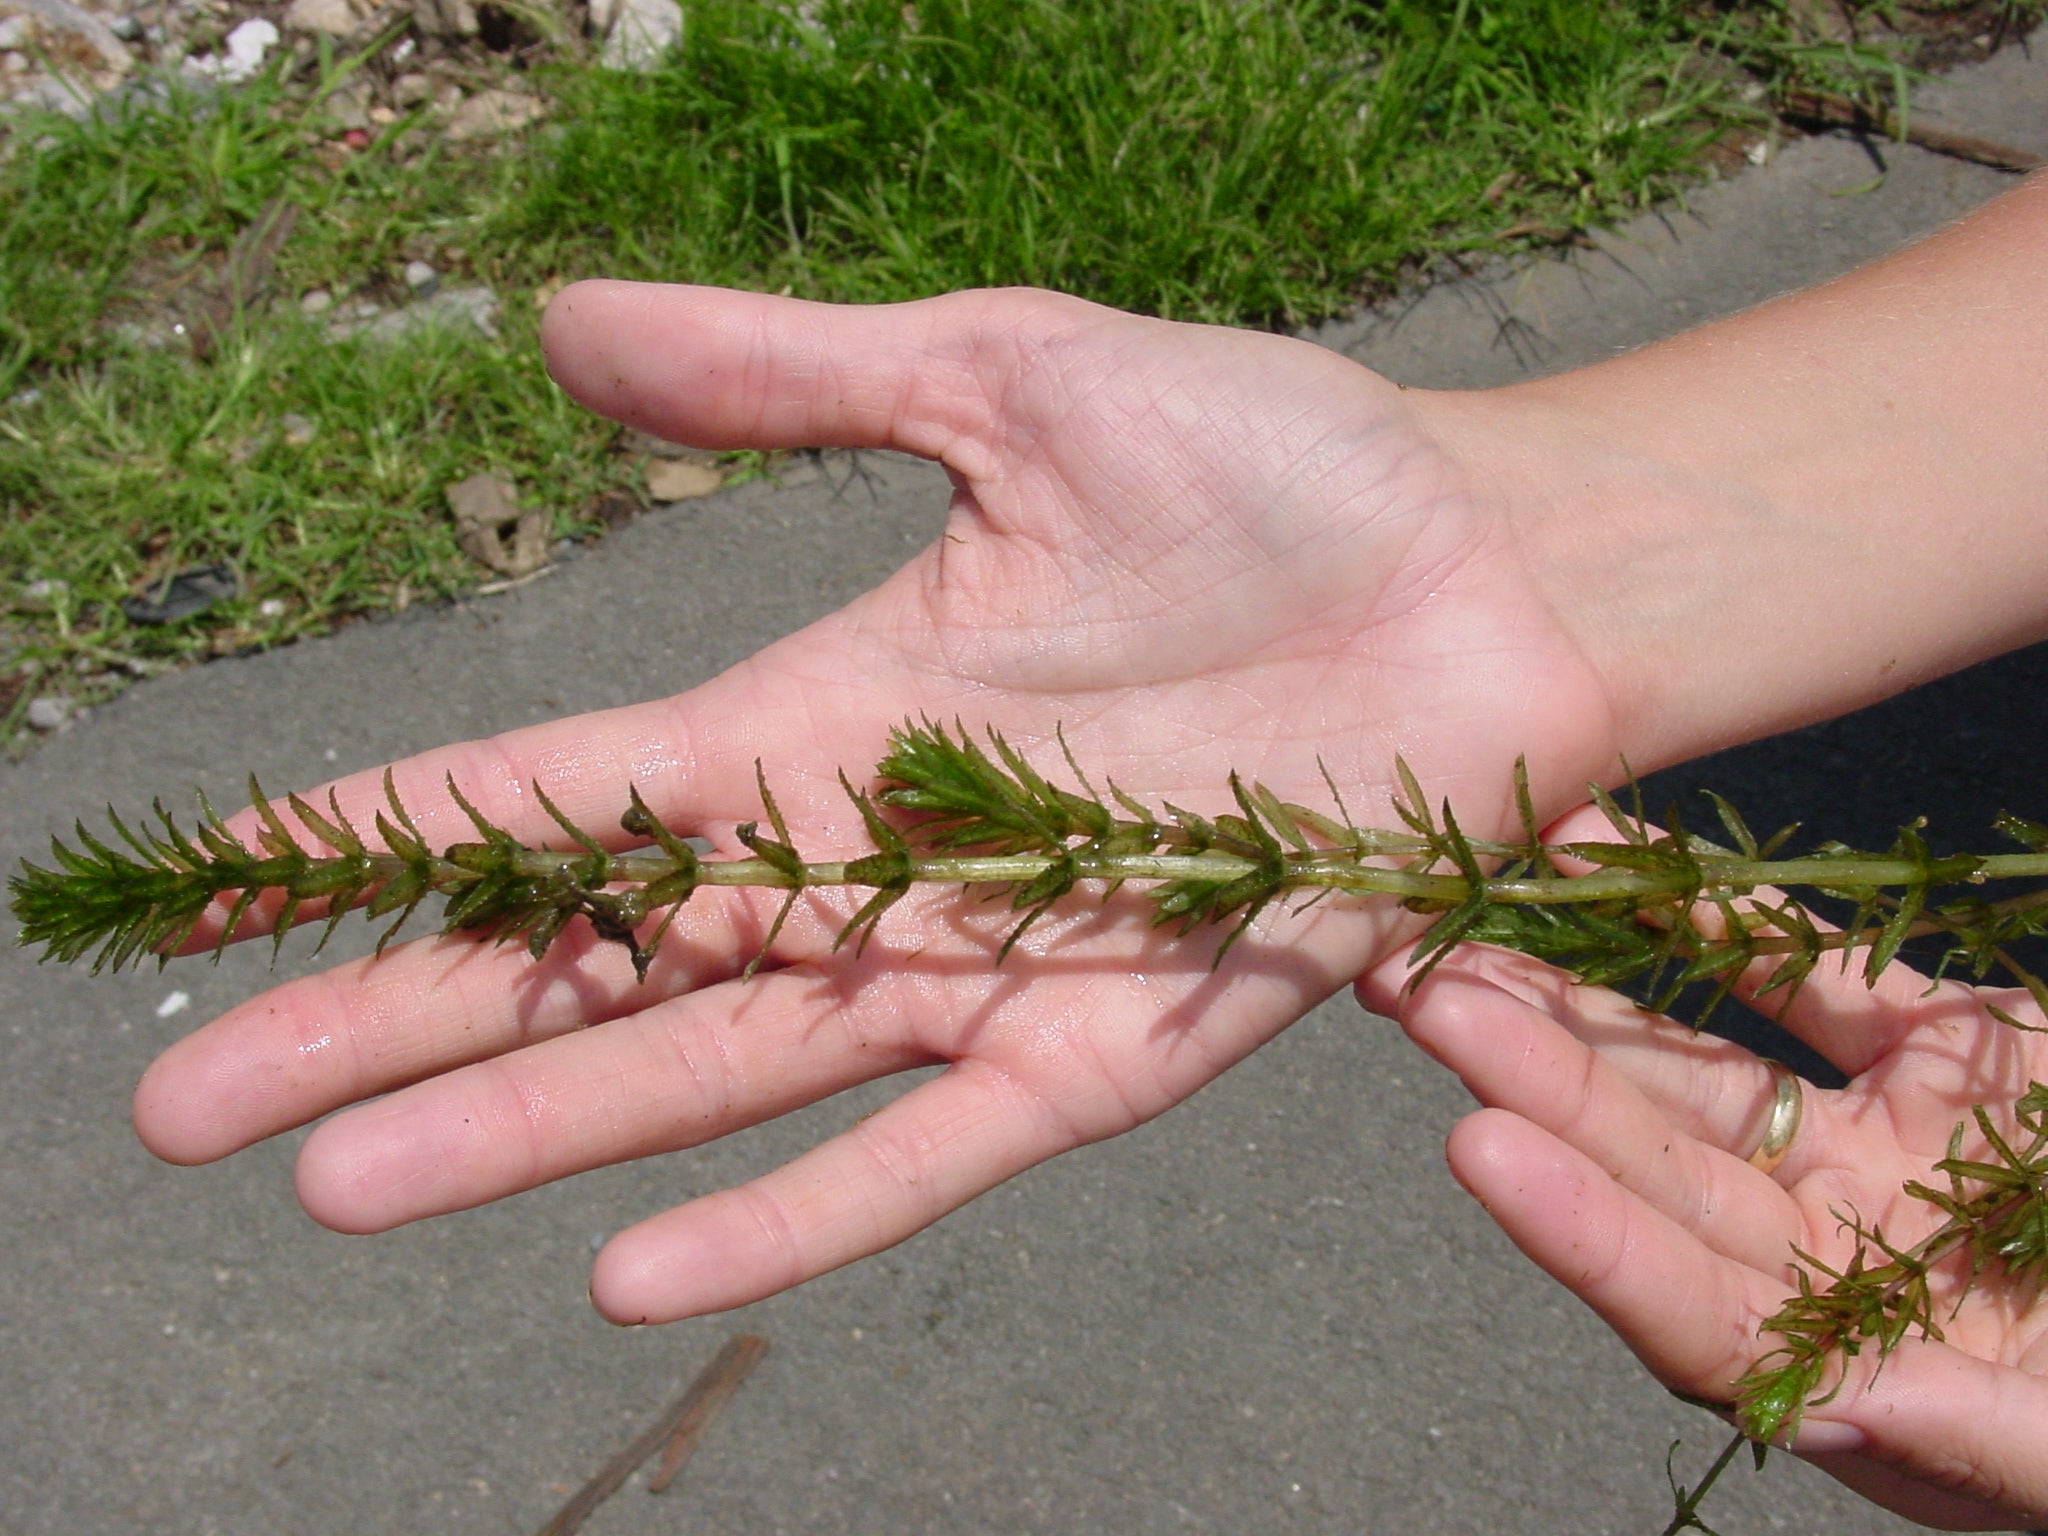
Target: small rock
x=641, y=34
x=489, y=114
x=336, y=18
x=246, y=48
x=54, y=94
x=681, y=479
x=183, y=594
x=271, y=608
x=152, y=332
x=298, y=430
x=412, y=90
x=348, y=104
x=49, y=712
x=354, y=317
x=63, y=16
x=445, y=18
x=1758, y=153
x=476, y=306
x=173, y=1005
x=13, y=63
x=16, y=31
x=316, y=302
x=42, y=595
x=421, y=278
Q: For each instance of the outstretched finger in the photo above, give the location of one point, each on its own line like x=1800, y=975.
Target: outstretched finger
x=1666, y=1113
x=369, y=1026
x=1936, y=1433
x=1689, y=1314
x=674, y=1075
x=888, y=1177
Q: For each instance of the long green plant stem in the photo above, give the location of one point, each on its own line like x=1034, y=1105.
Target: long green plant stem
x=1663, y=909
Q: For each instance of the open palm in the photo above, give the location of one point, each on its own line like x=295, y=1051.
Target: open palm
x=1190, y=549
x=1612, y=1147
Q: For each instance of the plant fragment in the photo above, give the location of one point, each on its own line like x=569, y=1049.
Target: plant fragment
x=1661, y=909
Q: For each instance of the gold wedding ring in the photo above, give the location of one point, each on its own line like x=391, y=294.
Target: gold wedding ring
x=1786, y=1106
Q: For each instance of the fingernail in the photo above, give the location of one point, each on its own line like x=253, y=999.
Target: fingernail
x=1823, y=1437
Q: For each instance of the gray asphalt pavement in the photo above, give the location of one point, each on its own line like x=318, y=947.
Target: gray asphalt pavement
x=1271, y=1310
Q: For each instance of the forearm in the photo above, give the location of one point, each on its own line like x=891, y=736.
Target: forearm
x=1801, y=509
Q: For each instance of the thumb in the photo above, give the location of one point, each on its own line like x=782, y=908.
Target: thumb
x=718, y=368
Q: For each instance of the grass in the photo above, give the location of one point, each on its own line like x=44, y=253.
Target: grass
x=1264, y=164
x=1234, y=163
x=312, y=467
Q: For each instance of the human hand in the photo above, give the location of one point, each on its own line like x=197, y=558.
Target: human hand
x=1192, y=549
x=1612, y=1150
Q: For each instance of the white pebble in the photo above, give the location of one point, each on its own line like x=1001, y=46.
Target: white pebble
x=48, y=712
x=174, y=1005
x=246, y=46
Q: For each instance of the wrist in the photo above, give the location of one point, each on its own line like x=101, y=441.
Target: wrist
x=1796, y=511
x=1648, y=562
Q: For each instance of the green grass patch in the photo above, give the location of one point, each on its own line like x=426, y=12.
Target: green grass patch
x=1258, y=164
x=315, y=468
x=1263, y=164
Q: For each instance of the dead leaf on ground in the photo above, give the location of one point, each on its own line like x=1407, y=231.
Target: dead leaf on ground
x=493, y=531
x=680, y=479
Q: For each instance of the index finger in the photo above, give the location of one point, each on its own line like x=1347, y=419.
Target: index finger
x=807, y=706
